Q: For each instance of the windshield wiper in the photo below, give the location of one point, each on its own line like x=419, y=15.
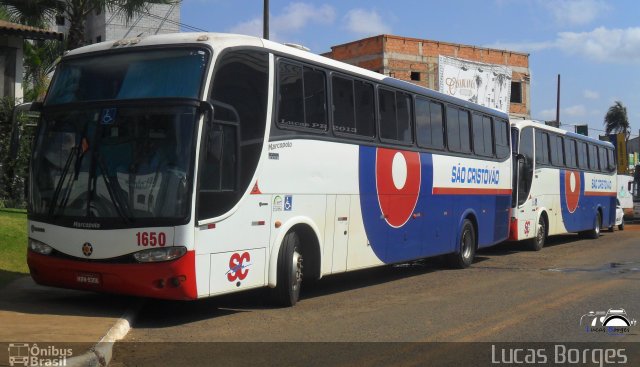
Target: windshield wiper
x=63, y=176
x=124, y=211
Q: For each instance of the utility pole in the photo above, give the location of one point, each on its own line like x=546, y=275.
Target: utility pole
x=265, y=20
x=558, y=103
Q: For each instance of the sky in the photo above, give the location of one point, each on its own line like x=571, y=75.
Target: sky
x=593, y=44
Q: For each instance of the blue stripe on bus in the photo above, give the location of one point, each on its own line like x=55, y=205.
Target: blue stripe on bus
x=434, y=229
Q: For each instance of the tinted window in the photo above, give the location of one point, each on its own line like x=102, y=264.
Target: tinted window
x=404, y=103
x=593, y=157
x=482, y=136
x=365, y=109
x=582, y=155
x=395, y=116
x=542, y=147
x=602, y=158
x=612, y=160
x=501, y=136
x=231, y=144
x=429, y=124
x=291, y=96
x=458, y=130
x=343, y=106
x=570, y=153
x=387, y=106
x=315, y=97
x=557, y=153
x=301, y=97
x=525, y=171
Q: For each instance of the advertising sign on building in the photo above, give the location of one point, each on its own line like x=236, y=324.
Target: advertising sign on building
x=485, y=84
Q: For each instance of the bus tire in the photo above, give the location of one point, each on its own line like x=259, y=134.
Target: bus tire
x=595, y=232
x=537, y=242
x=466, y=251
x=287, y=290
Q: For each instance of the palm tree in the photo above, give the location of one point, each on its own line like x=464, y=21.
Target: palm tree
x=37, y=12
x=616, y=120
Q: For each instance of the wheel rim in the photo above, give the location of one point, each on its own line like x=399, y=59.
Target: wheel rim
x=597, y=229
x=540, y=234
x=296, y=270
x=467, y=244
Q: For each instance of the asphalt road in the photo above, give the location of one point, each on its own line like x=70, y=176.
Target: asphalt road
x=508, y=295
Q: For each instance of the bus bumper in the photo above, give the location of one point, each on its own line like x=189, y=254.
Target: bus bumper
x=513, y=229
x=166, y=280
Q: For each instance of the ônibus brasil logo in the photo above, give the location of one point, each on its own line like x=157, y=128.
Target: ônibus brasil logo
x=25, y=354
x=612, y=322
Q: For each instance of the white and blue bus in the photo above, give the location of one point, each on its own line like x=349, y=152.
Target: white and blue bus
x=563, y=183
x=192, y=165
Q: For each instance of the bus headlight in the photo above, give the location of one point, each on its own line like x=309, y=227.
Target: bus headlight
x=160, y=254
x=39, y=247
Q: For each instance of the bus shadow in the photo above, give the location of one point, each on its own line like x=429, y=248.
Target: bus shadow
x=512, y=247
x=163, y=314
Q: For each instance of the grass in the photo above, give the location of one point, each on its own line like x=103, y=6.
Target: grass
x=13, y=245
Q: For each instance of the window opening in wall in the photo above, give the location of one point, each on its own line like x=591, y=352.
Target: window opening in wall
x=516, y=92
x=415, y=75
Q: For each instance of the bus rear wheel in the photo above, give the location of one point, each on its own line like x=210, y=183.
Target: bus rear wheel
x=537, y=242
x=287, y=291
x=466, y=251
x=595, y=232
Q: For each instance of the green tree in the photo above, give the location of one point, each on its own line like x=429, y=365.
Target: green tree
x=616, y=120
x=34, y=11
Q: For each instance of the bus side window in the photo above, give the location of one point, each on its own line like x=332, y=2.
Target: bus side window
x=482, y=135
x=557, y=154
x=593, y=157
x=232, y=142
x=582, y=155
x=570, y=153
x=343, y=106
x=542, y=147
x=612, y=160
x=365, y=109
x=602, y=159
x=395, y=116
x=501, y=131
x=429, y=124
x=458, y=136
x=291, y=95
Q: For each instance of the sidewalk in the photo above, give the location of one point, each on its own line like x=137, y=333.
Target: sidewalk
x=30, y=313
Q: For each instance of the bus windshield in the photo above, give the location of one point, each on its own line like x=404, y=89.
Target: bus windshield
x=166, y=73
x=121, y=163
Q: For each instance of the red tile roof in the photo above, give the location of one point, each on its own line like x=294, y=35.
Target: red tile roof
x=28, y=32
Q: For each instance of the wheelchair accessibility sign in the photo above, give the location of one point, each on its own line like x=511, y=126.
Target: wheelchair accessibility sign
x=288, y=203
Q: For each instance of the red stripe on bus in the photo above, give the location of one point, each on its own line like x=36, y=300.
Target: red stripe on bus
x=599, y=193
x=469, y=191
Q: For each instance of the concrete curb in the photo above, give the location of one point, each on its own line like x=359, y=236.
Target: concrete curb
x=101, y=353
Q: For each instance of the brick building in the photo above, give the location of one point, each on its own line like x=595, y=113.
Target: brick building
x=416, y=61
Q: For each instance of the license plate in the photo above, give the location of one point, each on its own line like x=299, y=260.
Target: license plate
x=88, y=278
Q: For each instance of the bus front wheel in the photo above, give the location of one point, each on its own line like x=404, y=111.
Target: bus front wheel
x=466, y=250
x=287, y=290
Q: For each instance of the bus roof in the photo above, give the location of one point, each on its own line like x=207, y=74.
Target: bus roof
x=541, y=125
x=219, y=41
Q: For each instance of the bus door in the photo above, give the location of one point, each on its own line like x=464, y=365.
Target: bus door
x=523, y=210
